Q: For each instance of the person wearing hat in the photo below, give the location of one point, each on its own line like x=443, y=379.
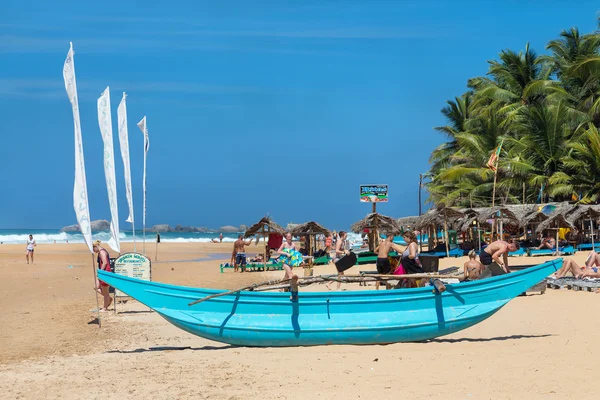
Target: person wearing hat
x=103, y=264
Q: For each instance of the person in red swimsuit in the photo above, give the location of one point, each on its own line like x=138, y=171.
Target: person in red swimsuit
x=103, y=264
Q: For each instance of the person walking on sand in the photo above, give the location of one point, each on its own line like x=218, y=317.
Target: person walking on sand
x=103, y=264
x=291, y=257
x=492, y=254
x=340, y=251
x=29, y=249
x=472, y=268
x=238, y=256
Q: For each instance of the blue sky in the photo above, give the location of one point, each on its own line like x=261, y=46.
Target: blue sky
x=253, y=107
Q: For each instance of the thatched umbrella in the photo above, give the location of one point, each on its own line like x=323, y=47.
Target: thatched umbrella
x=406, y=223
x=585, y=212
x=556, y=221
x=310, y=229
x=376, y=223
x=264, y=227
x=440, y=215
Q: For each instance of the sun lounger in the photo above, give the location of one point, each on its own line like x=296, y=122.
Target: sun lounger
x=521, y=252
x=456, y=252
x=588, y=246
x=567, y=250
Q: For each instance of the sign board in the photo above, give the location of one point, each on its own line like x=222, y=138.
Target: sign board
x=133, y=265
x=373, y=193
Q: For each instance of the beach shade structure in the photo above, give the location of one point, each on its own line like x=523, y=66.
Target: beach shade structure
x=499, y=215
x=264, y=228
x=556, y=221
x=310, y=229
x=469, y=221
x=407, y=223
x=376, y=223
x=585, y=213
x=439, y=216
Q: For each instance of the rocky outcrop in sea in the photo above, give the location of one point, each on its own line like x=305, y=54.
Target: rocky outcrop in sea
x=98, y=225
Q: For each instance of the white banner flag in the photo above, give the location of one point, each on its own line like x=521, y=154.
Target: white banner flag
x=144, y=129
x=80, y=198
x=105, y=123
x=124, y=142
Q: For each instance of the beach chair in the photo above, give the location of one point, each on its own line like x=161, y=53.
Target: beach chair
x=566, y=250
x=225, y=266
x=588, y=247
x=323, y=260
x=521, y=252
x=430, y=263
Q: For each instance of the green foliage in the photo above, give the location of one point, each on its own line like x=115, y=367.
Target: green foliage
x=545, y=110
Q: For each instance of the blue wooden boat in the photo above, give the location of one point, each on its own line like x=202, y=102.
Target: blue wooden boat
x=348, y=317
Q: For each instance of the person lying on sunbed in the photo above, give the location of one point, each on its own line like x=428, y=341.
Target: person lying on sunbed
x=547, y=243
x=590, y=269
x=257, y=259
x=472, y=268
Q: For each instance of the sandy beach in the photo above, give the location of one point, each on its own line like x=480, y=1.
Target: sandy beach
x=538, y=346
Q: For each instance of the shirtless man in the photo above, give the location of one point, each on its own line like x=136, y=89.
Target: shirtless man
x=472, y=268
x=383, y=263
x=492, y=254
x=219, y=240
x=382, y=250
x=239, y=253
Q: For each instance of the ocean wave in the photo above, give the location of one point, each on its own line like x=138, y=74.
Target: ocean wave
x=39, y=238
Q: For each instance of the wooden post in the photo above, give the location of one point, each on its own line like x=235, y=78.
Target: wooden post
x=446, y=235
x=523, y=192
x=96, y=291
x=557, y=252
x=420, y=186
x=265, y=240
x=479, y=236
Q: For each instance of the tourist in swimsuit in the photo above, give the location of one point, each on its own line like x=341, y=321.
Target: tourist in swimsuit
x=291, y=256
x=410, y=256
x=238, y=256
x=383, y=262
x=547, y=243
x=340, y=251
x=590, y=269
x=29, y=249
x=103, y=264
x=472, y=268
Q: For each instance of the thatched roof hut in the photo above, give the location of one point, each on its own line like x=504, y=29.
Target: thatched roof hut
x=384, y=224
x=407, y=223
x=264, y=226
x=470, y=215
x=505, y=212
x=438, y=216
x=557, y=220
x=309, y=228
x=583, y=212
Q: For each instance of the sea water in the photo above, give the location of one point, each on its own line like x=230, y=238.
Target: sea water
x=18, y=236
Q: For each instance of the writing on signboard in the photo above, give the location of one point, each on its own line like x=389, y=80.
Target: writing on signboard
x=133, y=265
x=374, y=193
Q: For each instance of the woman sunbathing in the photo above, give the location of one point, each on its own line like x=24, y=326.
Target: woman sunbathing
x=590, y=269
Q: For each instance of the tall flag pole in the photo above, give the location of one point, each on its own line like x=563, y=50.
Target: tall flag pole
x=105, y=123
x=144, y=129
x=80, y=197
x=493, y=165
x=124, y=144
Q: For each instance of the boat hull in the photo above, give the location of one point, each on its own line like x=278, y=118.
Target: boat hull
x=317, y=318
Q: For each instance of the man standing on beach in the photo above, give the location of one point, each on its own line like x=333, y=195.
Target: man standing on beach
x=490, y=258
x=239, y=253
